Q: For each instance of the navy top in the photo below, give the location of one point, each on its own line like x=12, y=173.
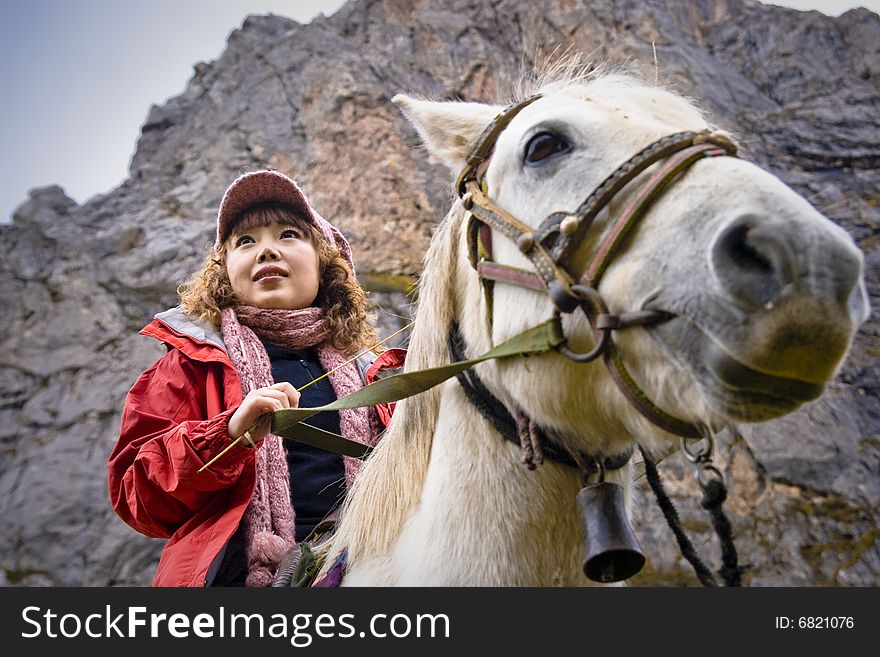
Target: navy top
x=317, y=477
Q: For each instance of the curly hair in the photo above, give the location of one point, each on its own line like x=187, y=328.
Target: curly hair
x=208, y=290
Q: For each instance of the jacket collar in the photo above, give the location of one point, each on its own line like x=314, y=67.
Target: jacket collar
x=179, y=321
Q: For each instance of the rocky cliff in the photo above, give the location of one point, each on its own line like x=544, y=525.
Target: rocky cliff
x=78, y=282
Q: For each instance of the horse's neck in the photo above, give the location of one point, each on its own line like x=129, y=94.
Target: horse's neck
x=484, y=518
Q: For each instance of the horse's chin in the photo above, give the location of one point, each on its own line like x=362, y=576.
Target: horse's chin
x=732, y=389
x=744, y=394
x=746, y=406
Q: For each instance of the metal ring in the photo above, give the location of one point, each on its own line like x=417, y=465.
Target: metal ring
x=593, y=306
x=708, y=466
x=590, y=294
x=595, y=352
x=701, y=454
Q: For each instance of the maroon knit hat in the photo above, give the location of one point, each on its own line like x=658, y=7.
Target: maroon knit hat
x=268, y=186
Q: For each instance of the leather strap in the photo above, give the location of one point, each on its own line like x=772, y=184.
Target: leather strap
x=485, y=143
x=634, y=210
x=640, y=401
x=495, y=271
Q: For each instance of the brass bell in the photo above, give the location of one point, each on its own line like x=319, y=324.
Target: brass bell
x=611, y=551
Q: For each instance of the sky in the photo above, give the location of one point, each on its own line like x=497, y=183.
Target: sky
x=79, y=77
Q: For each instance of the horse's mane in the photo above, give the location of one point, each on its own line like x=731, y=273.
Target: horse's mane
x=560, y=73
x=390, y=484
x=391, y=481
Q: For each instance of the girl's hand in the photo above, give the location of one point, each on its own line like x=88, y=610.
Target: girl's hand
x=259, y=402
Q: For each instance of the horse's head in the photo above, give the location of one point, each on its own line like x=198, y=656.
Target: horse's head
x=765, y=293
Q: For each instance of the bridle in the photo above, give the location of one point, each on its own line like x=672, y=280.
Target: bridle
x=552, y=246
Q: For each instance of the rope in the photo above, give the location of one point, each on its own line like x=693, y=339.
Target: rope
x=671, y=515
x=714, y=494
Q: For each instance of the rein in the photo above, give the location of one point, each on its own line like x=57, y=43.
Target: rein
x=287, y=422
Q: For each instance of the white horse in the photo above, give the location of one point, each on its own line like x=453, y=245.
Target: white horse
x=765, y=293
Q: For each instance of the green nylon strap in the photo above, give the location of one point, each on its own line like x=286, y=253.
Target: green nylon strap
x=327, y=440
x=287, y=423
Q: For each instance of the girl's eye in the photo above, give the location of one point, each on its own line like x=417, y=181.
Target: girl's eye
x=544, y=146
x=290, y=232
x=243, y=239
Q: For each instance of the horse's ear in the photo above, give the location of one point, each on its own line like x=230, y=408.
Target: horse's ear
x=449, y=129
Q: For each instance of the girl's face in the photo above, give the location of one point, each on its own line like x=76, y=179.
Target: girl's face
x=273, y=266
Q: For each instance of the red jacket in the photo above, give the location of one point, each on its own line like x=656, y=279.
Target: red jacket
x=174, y=421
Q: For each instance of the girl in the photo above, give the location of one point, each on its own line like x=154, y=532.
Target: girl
x=275, y=306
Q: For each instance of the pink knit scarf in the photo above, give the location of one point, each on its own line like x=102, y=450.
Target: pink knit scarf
x=269, y=518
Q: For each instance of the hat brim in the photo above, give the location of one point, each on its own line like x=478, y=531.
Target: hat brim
x=255, y=188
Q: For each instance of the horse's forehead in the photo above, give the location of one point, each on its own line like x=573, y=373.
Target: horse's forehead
x=603, y=94
x=613, y=105
x=569, y=103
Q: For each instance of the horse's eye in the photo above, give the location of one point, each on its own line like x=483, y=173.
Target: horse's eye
x=545, y=145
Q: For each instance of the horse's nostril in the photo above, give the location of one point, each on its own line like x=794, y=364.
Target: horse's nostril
x=745, y=254
x=753, y=261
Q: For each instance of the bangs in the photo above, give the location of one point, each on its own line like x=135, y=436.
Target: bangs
x=266, y=214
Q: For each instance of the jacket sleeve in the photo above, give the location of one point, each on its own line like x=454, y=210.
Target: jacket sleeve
x=389, y=363
x=172, y=424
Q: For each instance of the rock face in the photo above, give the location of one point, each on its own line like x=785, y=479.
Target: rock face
x=78, y=282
